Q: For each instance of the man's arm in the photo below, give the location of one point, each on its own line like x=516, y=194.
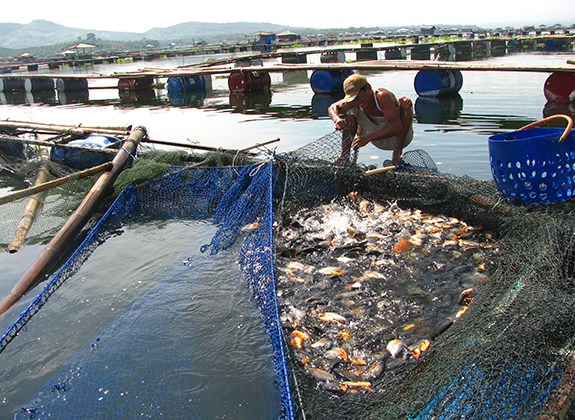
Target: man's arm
x=334, y=110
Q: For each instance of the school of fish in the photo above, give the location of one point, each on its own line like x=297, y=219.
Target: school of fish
x=364, y=287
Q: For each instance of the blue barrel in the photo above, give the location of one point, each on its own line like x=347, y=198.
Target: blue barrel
x=68, y=84
x=11, y=83
x=328, y=81
x=186, y=83
x=78, y=159
x=38, y=84
x=437, y=83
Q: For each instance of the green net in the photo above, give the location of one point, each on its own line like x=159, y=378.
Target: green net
x=376, y=329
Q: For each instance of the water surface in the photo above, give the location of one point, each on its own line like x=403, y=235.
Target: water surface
x=453, y=131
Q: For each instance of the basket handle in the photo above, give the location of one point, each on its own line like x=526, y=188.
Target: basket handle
x=552, y=117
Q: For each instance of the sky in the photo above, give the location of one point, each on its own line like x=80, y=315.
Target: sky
x=132, y=16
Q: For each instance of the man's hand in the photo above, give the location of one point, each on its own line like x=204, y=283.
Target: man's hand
x=340, y=125
x=360, y=141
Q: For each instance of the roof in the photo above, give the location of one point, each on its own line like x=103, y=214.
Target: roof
x=81, y=45
x=261, y=33
x=286, y=33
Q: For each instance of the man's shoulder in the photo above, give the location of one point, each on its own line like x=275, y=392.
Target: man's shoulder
x=385, y=95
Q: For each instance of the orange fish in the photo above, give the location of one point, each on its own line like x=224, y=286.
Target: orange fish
x=402, y=245
x=301, y=334
x=296, y=342
x=344, y=335
x=358, y=384
x=419, y=347
x=461, y=311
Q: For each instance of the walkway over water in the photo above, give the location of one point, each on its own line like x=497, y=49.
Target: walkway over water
x=375, y=65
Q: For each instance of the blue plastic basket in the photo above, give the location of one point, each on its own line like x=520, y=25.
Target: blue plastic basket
x=534, y=165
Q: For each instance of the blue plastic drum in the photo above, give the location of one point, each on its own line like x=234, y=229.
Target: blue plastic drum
x=79, y=159
x=186, y=83
x=438, y=83
x=533, y=165
x=328, y=81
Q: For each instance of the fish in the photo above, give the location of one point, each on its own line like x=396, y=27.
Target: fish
x=348, y=277
x=345, y=260
x=375, y=370
x=250, y=227
x=333, y=271
x=321, y=375
x=461, y=311
x=301, y=334
x=464, y=298
x=334, y=387
x=345, y=374
x=322, y=342
x=396, y=348
x=401, y=245
x=358, y=385
x=423, y=345
x=296, y=265
x=332, y=317
x=336, y=353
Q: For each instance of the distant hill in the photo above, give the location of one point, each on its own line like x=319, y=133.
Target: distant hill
x=42, y=32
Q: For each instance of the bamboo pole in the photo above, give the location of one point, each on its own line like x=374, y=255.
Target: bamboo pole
x=17, y=195
x=206, y=148
x=31, y=207
x=258, y=145
x=62, y=240
x=187, y=145
x=79, y=129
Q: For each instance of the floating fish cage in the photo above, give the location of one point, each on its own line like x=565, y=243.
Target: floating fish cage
x=406, y=294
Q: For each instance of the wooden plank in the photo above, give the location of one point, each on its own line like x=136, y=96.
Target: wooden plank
x=379, y=65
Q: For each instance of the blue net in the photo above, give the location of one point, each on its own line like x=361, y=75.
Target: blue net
x=146, y=363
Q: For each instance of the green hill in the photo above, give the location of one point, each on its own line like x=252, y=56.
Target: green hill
x=41, y=33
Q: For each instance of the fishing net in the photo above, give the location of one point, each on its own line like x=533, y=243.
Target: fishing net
x=509, y=355
x=405, y=294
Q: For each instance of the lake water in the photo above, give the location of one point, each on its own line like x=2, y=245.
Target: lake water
x=454, y=133
x=189, y=315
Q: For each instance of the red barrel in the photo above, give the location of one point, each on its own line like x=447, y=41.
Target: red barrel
x=560, y=87
x=140, y=83
x=246, y=81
